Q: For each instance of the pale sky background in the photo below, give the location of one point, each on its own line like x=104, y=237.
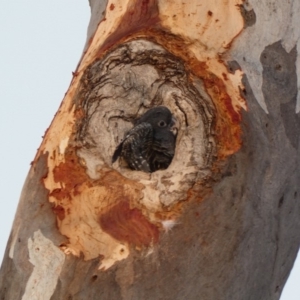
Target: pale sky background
x=40, y=45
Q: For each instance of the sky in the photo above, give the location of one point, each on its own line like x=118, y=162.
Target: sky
x=41, y=44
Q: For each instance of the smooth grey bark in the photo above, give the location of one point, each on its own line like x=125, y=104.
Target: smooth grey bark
x=97, y=14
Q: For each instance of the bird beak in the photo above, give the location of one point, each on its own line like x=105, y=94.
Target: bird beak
x=174, y=126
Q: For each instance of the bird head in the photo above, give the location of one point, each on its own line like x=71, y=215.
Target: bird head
x=165, y=128
x=161, y=120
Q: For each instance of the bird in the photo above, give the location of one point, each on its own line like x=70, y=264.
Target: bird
x=150, y=145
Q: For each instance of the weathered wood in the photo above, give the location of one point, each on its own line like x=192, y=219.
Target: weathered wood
x=222, y=222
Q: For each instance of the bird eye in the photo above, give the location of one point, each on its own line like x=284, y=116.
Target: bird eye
x=162, y=124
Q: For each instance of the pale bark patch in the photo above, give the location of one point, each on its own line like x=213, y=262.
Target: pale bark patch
x=48, y=261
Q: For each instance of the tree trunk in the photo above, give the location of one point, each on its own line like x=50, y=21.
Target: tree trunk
x=222, y=221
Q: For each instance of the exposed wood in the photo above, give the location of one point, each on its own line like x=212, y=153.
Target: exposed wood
x=222, y=222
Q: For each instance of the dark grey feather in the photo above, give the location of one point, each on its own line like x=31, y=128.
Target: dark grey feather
x=150, y=145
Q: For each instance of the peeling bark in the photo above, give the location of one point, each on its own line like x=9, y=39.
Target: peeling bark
x=222, y=221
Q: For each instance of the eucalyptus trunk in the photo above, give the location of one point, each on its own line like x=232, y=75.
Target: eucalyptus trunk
x=222, y=221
